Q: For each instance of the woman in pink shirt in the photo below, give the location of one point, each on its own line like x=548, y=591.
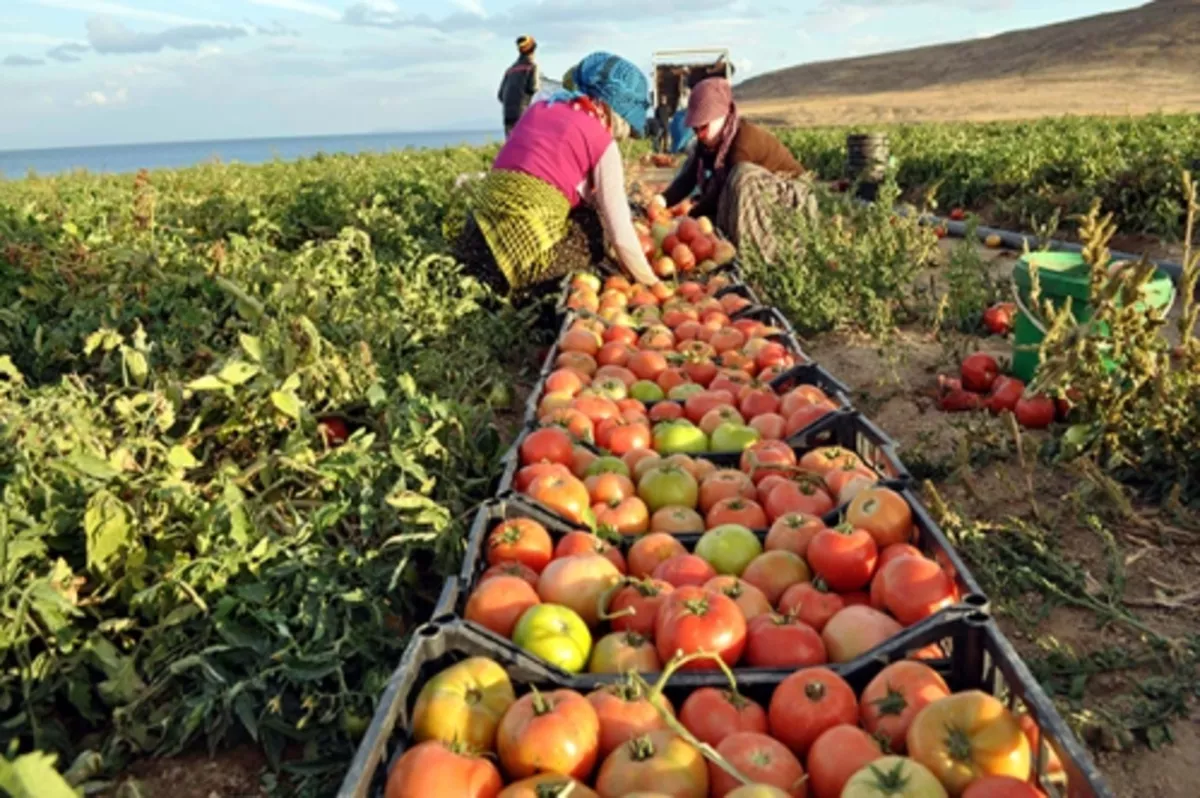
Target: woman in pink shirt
x=558, y=186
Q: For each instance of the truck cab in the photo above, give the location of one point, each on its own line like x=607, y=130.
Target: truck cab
x=675, y=70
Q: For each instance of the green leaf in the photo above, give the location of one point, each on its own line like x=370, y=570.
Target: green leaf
x=237, y=372
x=136, y=362
x=90, y=465
x=180, y=457
x=252, y=346
x=376, y=395
x=244, y=708
x=209, y=382
x=286, y=403
x=106, y=526
x=33, y=776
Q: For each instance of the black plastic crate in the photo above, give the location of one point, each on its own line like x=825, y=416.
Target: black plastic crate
x=979, y=657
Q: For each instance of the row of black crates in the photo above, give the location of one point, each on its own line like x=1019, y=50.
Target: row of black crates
x=972, y=644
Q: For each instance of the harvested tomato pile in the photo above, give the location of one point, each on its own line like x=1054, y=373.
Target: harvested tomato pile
x=693, y=497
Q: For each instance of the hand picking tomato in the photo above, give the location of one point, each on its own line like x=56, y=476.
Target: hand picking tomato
x=806, y=704
x=434, y=769
x=520, y=540
x=836, y=756
x=894, y=697
x=692, y=619
x=895, y=777
x=844, y=557
x=556, y=732
x=464, y=703
x=759, y=758
x=782, y=641
x=712, y=714
x=660, y=761
x=979, y=371
x=966, y=736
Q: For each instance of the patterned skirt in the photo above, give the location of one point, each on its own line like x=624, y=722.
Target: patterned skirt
x=751, y=198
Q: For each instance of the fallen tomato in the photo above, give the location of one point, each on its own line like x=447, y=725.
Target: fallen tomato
x=1006, y=392
x=979, y=371
x=1035, y=412
x=999, y=318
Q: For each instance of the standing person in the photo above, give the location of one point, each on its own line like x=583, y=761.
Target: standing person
x=662, y=119
x=558, y=186
x=681, y=134
x=742, y=171
x=520, y=83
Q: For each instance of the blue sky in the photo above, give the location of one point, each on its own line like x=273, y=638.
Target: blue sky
x=84, y=72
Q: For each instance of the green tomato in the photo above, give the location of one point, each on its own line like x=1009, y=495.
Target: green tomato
x=556, y=634
x=894, y=776
x=607, y=465
x=676, y=437
x=667, y=486
x=611, y=388
x=647, y=391
x=733, y=437
x=682, y=391
x=729, y=548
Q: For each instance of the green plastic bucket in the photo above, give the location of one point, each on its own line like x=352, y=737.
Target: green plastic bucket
x=1065, y=279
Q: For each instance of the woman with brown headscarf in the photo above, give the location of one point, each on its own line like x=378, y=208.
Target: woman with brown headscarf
x=743, y=173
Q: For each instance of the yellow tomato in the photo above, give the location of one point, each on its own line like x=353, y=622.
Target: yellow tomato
x=968, y=735
x=464, y=703
x=895, y=777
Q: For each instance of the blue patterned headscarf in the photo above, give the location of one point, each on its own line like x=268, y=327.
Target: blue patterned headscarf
x=614, y=81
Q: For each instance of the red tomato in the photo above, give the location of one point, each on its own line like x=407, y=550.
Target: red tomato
x=556, y=732
x=1005, y=394
x=432, y=769
x=999, y=318
x=333, y=431
x=685, y=570
x=793, y=532
x=510, y=569
x=580, y=542
x=1035, y=412
x=805, y=417
x=760, y=759
x=564, y=494
x=1002, y=787
x=521, y=540
x=635, y=606
x=576, y=424
x=779, y=641
x=836, y=755
x=767, y=458
x=773, y=572
x=805, y=495
x=895, y=696
x=770, y=426
x=548, y=445
x=812, y=603
x=737, y=510
x=713, y=714
x=620, y=436
x=647, y=364
x=608, y=487
x=914, y=588
x=624, y=712
x=750, y=600
x=844, y=557
x=806, y=704
x=979, y=371
x=724, y=484
x=693, y=619
x=624, y=517
x=884, y=514
x=648, y=551
x=677, y=521
x=498, y=603
x=666, y=411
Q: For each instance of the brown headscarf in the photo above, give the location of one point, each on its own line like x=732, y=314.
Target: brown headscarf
x=712, y=99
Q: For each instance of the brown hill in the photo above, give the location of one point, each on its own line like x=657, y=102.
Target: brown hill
x=1134, y=61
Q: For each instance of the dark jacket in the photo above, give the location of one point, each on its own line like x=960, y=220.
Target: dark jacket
x=753, y=144
x=518, y=87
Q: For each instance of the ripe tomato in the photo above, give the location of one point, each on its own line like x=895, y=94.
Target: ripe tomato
x=801, y=396
x=696, y=406
x=979, y=371
x=577, y=582
x=620, y=334
x=677, y=521
x=562, y=493
x=577, y=361
x=724, y=414
x=811, y=603
x=628, y=517
x=856, y=630
x=829, y=458
x=556, y=732
x=884, y=514
x=511, y=569
x=621, y=652
x=966, y=736
x=805, y=494
x=805, y=417
x=758, y=402
x=844, y=557
x=659, y=761
x=724, y=484
x=914, y=588
x=780, y=641
x=464, y=703
x=596, y=407
x=520, y=540
x=685, y=570
x=836, y=756
x=624, y=713
x=1035, y=412
x=896, y=551
x=895, y=777
x=545, y=784
x=575, y=423
x=333, y=431
x=762, y=459
x=847, y=482
x=648, y=551
x=579, y=542
x=1006, y=392
x=773, y=572
x=647, y=364
x=547, y=445
x=768, y=484
x=750, y=600
x=712, y=715
x=895, y=696
x=806, y=704
x=635, y=606
x=1053, y=764
x=999, y=318
x=435, y=768
x=666, y=411
x=609, y=487
x=760, y=759
x=770, y=426
x=793, y=532
x=498, y=603
x=1002, y=787
x=693, y=619
x=737, y=510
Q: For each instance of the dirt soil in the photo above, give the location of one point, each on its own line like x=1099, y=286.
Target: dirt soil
x=234, y=773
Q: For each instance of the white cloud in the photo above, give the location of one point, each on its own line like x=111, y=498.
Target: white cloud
x=301, y=7
x=106, y=35
x=474, y=7
x=21, y=61
x=98, y=98
x=121, y=10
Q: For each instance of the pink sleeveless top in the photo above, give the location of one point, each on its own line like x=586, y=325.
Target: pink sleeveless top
x=557, y=144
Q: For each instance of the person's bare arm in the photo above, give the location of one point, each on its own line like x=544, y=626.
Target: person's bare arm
x=608, y=178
